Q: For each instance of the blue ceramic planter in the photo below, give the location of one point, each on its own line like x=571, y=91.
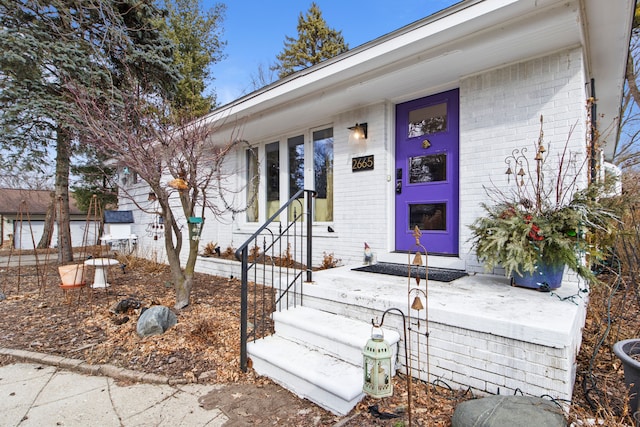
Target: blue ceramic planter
x=545, y=277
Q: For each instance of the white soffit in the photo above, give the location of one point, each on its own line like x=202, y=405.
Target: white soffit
x=607, y=31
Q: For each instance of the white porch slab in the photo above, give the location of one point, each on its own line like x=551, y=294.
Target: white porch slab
x=482, y=302
x=483, y=333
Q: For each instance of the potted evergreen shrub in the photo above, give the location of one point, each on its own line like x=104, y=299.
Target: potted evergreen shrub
x=540, y=225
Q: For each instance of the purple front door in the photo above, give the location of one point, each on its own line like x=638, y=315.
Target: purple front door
x=427, y=137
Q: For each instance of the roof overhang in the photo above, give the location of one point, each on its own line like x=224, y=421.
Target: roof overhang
x=606, y=29
x=433, y=54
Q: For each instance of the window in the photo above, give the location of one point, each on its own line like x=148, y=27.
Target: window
x=283, y=174
x=296, y=164
x=252, y=184
x=323, y=174
x=296, y=171
x=272, y=180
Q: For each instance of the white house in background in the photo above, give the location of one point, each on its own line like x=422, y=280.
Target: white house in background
x=453, y=94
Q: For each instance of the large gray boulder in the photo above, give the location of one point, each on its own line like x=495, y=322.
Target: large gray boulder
x=155, y=321
x=508, y=411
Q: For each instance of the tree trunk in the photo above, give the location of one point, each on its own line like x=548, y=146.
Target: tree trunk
x=632, y=79
x=183, y=291
x=181, y=283
x=63, y=152
x=49, y=221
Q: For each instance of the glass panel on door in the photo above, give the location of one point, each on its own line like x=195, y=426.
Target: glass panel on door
x=430, y=168
x=427, y=120
x=428, y=216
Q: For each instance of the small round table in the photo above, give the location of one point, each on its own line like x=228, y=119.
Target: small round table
x=101, y=265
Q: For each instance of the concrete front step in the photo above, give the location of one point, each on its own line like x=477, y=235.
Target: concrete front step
x=317, y=355
x=331, y=383
x=338, y=336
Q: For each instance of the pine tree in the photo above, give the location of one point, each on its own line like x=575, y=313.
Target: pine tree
x=197, y=37
x=316, y=42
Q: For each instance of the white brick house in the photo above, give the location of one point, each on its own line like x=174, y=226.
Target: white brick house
x=507, y=63
x=487, y=69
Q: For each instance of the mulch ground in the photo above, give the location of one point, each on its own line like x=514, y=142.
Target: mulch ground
x=203, y=347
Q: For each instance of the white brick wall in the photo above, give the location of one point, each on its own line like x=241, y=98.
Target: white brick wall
x=361, y=198
x=500, y=111
x=493, y=364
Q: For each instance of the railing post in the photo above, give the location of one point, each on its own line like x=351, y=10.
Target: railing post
x=309, y=234
x=242, y=254
x=244, y=303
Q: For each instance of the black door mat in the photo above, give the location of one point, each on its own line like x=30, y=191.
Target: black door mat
x=392, y=269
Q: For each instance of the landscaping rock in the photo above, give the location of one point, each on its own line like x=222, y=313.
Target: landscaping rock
x=512, y=411
x=155, y=321
x=125, y=306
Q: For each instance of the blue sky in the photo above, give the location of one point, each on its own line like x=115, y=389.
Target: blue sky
x=255, y=31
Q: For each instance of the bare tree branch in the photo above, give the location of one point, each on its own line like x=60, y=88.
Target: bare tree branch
x=178, y=161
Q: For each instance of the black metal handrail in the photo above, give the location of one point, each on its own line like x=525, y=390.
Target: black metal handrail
x=262, y=259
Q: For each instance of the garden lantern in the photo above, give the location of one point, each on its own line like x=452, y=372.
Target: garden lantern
x=377, y=365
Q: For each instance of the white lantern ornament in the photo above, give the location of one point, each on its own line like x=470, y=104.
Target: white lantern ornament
x=377, y=365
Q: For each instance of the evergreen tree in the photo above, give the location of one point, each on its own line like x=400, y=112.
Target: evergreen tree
x=94, y=180
x=197, y=37
x=47, y=45
x=316, y=42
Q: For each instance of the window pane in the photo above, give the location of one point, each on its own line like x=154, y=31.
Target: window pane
x=296, y=164
x=296, y=173
x=323, y=174
x=428, y=216
x=252, y=185
x=273, y=177
x=428, y=168
x=427, y=120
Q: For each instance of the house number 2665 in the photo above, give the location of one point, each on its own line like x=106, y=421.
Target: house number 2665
x=364, y=163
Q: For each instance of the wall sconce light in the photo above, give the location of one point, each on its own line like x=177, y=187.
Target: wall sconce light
x=359, y=131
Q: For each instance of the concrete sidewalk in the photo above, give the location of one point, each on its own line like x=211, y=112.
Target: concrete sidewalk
x=39, y=394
